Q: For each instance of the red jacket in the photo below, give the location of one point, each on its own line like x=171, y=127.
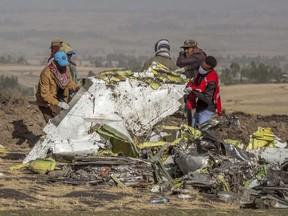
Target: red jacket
x=201, y=87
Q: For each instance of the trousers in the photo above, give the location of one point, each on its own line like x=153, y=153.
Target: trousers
x=49, y=112
x=201, y=117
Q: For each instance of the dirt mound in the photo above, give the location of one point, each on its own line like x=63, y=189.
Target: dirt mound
x=240, y=126
x=21, y=127
x=10, y=99
x=21, y=122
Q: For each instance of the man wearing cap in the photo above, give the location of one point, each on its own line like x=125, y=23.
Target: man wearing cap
x=56, y=44
x=190, y=59
x=162, y=55
x=66, y=47
x=54, y=86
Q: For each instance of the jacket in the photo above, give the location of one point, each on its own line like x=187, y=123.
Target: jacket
x=191, y=63
x=48, y=91
x=162, y=60
x=207, y=91
x=73, y=71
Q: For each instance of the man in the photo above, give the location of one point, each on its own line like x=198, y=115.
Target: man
x=190, y=59
x=66, y=47
x=162, y=55
x=207, y=92
x=54, y=86
x=55, y=47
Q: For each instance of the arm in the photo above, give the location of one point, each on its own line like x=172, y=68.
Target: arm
x=146, y=65
x=182, y=61
x=207, y=96
x=191, y=62
x=73, y=71
x=45, y=85
x=72, y=85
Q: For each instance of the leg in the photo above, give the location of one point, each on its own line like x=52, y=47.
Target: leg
x=195, y=119
x=189, y=116
x=49, y=113
x=205, y=116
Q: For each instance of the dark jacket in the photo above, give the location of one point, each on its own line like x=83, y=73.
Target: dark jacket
x=162, y=60
x=205, y=99
x=191, y=63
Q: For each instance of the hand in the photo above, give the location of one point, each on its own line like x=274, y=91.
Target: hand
x=72, y=93
x=63, y=105
x=188, y=90
x=180, y=70
x=183, y=76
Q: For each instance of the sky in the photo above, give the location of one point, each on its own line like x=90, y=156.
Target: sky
x=100, y=27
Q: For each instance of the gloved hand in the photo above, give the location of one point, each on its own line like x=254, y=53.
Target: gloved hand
x=180, y=70
x=188, y=90
x=183, y=76
x=72, y=93
x=63, y=105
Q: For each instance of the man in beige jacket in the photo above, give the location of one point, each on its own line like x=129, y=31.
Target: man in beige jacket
x=54, y=86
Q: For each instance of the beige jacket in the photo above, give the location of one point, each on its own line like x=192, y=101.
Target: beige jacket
x=47, y=88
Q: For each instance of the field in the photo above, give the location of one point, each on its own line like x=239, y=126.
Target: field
x=263, y=99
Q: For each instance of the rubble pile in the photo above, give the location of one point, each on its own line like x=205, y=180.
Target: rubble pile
x=184, y=158
x=118, y=131
x=104, y=170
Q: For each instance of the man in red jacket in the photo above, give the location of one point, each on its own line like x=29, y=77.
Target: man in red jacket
x=204, y=93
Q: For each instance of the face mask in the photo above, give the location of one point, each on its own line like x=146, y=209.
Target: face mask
x=201, y=70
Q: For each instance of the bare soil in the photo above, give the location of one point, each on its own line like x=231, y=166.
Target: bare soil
x=21, y=127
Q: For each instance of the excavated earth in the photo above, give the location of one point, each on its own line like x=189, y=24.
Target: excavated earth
x=21, y=127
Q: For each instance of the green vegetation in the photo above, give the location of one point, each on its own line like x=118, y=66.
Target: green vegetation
x=243, y=69
x=254, y=70
x=119, y=61
x=11, y=84
x=12, y=60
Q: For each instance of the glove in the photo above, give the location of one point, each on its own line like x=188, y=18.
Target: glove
x=72, y=93
x=180, y=70
x=183, y=76
x=188, y=90
x=63, y=105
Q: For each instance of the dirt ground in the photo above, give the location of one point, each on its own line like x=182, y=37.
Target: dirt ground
x=21, y=127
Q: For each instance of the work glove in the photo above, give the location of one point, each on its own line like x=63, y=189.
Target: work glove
x=63, y=105
x=183, y=76
x=188, y=90
x=180, y=70
x=72, y=93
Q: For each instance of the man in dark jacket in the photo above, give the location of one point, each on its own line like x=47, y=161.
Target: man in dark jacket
x=190, y=59
x=162, y=55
